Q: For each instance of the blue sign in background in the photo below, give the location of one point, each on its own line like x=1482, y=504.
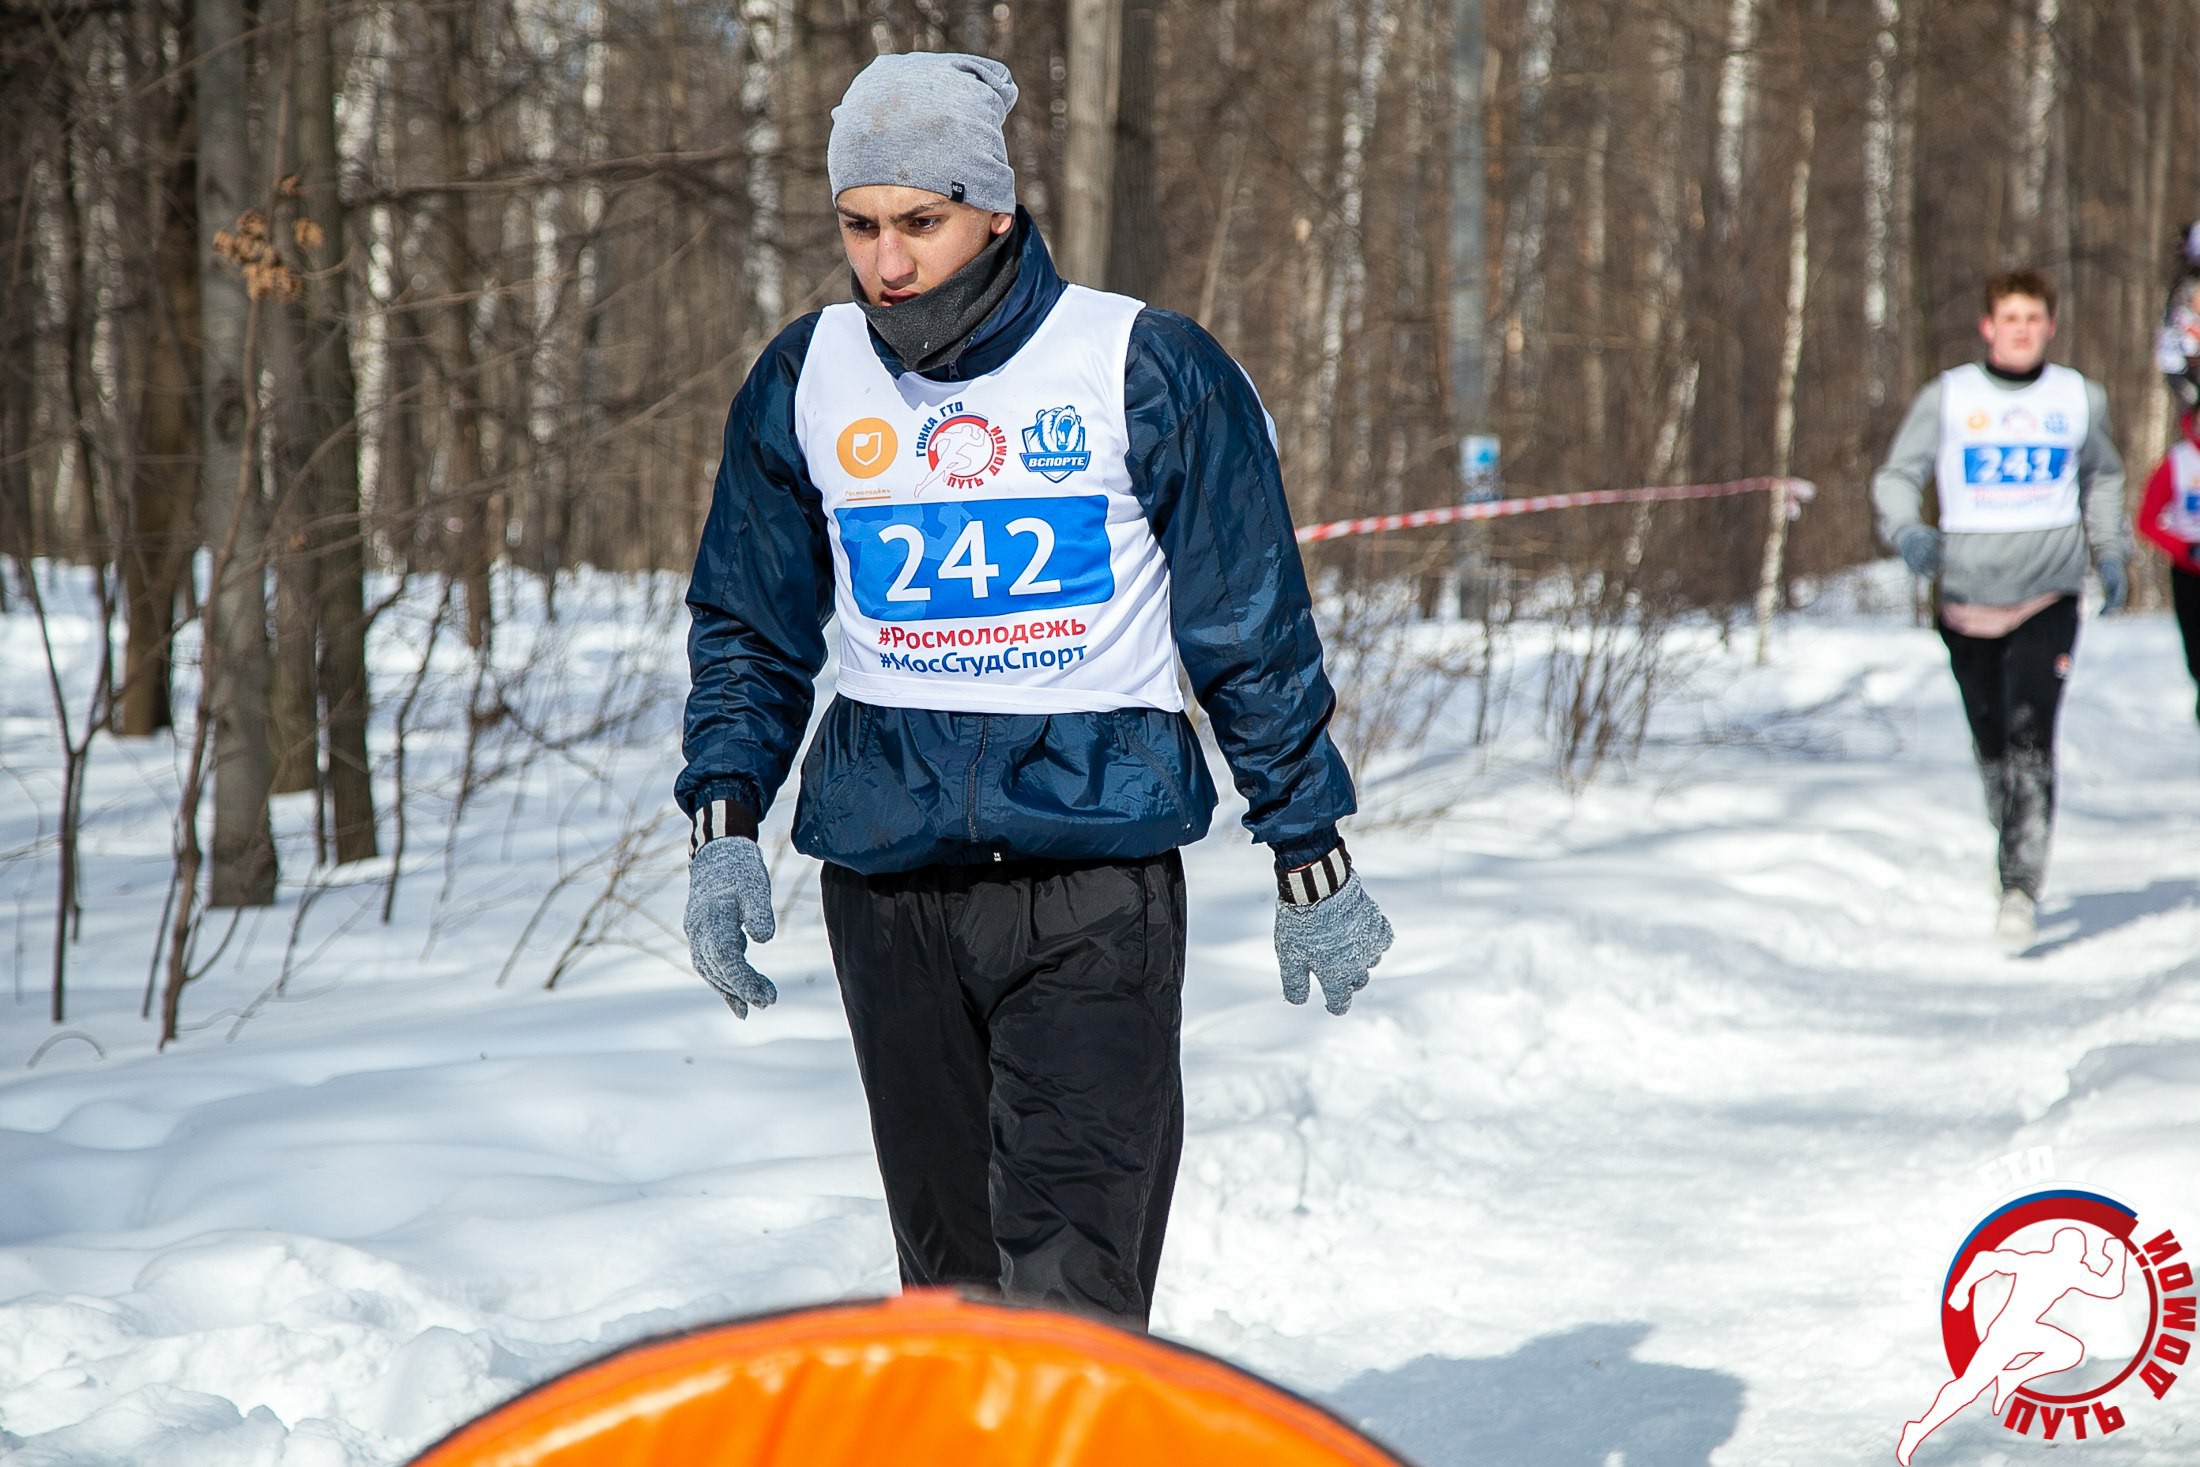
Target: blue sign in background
x=2021, y=463
x=977, y=557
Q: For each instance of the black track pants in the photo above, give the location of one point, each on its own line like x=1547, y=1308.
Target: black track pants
x=1016, y=1026
x=2012, y=691
x=2184, y=594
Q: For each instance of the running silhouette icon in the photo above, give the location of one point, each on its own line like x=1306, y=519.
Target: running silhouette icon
x=2017, y=1345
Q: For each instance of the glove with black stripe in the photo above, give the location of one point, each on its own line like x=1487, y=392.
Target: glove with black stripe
x=729, y=902
x=1327, y=926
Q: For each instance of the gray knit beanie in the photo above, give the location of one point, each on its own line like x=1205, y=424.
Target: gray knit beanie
x=930, y=120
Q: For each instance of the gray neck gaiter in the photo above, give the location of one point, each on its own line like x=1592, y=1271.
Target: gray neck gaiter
x=931, y=330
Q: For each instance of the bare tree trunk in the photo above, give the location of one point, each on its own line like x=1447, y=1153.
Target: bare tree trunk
x=19, y=303
x=92, y=547
x=293, y=727
x=2155, y=112
x=1880, y=205
x=1088, y=162
x=1520, y=281
x=158, y=512
x=337, y=529
x=75, y=753
x=2039, y=84
x=1737, y=98
x=293, y=698
x=1595, y=261
x=1906, y=323
x=1469, y=267
x=184, y=923
x=236, y=676
x=1791, y=361
x=465, y=486
x=768, y=33
x=79, y=394
x=1665, y=327
x=1136, y=254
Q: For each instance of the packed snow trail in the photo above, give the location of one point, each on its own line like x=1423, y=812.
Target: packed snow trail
x=1648, y=1144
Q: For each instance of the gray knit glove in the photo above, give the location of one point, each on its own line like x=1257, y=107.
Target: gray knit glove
x=2115, y=585
x=1920, y=549
x=1337, y=939
x=729, y=891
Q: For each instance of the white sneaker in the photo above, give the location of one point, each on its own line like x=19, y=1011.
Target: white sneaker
x=2015, y=927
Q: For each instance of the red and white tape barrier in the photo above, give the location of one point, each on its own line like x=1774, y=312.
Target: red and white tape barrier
x=1799, y=492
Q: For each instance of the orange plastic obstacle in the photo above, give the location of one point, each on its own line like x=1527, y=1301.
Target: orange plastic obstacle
x=924, y=1378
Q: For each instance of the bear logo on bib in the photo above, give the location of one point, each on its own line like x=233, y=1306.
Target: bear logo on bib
x=1054, y=444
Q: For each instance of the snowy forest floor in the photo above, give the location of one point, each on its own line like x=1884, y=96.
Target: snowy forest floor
x=1648, y=1145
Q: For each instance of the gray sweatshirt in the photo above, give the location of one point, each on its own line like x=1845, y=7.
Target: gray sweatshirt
x=2007, y=569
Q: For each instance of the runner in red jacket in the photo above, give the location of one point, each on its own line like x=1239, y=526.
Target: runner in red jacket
x=2169, y=516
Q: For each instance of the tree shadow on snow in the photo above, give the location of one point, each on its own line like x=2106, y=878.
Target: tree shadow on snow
x=2104, y=911
x=1577, y=1399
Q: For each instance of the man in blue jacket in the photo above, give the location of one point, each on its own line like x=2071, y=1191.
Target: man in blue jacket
x=1025, y=504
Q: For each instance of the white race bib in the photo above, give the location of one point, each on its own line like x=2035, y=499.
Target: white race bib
x=988, y=553
x=2181, y=516
x=2009, y=460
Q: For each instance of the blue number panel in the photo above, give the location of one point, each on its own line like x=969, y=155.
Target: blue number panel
x=926, y=562
x=2021, y=463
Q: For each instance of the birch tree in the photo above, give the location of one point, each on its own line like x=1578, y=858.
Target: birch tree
x=242, y=872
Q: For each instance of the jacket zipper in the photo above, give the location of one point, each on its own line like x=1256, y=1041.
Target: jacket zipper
x=970, y=799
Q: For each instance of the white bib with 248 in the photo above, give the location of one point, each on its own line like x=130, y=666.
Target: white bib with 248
x=988, y=553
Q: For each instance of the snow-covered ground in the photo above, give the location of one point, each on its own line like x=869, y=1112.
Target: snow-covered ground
x=1648, y=1145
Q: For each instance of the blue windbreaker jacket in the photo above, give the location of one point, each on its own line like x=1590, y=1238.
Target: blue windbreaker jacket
x=893, y=789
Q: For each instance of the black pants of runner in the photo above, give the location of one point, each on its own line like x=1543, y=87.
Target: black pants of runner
x=2012, y=691
x=2184, y=594
x=1017, y=1028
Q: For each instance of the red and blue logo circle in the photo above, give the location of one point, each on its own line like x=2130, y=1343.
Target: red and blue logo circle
x=2058, y=1308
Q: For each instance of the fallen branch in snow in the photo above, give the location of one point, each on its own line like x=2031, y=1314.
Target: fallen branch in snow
x=54, y=1039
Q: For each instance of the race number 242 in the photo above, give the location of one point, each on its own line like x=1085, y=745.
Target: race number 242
x=983, y=557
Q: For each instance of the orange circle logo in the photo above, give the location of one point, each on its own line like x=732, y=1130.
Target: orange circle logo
x=866, y=447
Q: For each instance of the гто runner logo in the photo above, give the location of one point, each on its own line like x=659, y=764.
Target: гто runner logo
x=961, y=448
x=2122, y=1328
